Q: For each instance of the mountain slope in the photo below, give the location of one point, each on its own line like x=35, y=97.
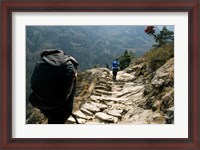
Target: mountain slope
x=90, y=45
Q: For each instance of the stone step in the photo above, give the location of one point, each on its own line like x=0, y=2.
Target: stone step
x=105, y=88
x=113, y=99
x=95, y=97
x=102, y=98
x=121, y=94
x=106, y=117
x=132, y=87
x=79, y=114
x=134, y=93
x=136, y=97
x=100, y=106
x=91, y=108
x=102, y=92
x=87, y=112
x=96, y=94
x=71, y=120
x=115, y=113
x=93, y=123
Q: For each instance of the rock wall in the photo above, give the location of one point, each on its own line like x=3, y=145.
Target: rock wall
x=159, y=90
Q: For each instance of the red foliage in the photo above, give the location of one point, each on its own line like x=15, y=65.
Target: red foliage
x=150, y=30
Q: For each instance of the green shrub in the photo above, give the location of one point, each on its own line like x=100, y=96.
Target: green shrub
x=158, y=56
x=125, y=59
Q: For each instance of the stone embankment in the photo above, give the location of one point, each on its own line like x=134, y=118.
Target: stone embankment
x=139, y=96
x=126, y=101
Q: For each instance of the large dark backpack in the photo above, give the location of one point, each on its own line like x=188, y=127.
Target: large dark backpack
x=52, y=79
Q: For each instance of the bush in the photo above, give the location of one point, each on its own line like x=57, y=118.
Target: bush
x=125, y=59
x=158, y=56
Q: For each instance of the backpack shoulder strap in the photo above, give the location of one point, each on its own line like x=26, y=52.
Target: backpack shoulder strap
x=75, y=118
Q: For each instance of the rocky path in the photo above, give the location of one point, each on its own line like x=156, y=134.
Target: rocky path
x=116, y=102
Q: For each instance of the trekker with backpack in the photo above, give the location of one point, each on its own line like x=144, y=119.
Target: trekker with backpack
x=53, y=83
x=115, y=68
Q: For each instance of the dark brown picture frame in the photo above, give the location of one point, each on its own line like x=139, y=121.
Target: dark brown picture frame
x=9, y=6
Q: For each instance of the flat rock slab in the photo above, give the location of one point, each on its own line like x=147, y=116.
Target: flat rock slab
x=115, y=113
x=113, y=99
x=106, y=117
x=79, y=114
x=93, y=97
x=100, y=105
x=72, y=121
x=87, y=112
x=157, y=118
x=103, y=92
x=125, y=76
x=91, y=107
x=93, y=123
x=105, y=88
x=128, y=85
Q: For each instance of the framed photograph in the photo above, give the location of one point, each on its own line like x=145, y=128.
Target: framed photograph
x=150, y=103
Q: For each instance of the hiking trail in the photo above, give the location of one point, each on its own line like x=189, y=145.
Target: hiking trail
x=116, y=102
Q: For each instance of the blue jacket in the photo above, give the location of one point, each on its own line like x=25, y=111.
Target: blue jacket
x=115, y=64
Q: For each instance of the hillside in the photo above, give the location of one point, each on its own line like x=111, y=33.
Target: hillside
x=90, y=45
x=137, y=97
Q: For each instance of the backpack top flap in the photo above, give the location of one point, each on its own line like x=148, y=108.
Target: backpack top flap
x=53, y=57
x=56, y=58
x=53, y=73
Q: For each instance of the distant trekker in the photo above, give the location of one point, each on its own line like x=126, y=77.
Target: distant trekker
x=54, y=83
x=115, y=68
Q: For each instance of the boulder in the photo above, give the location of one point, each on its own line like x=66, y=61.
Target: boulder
x=169, y=116
x=168, y=96
x=157, y=118
x=156, y=105
x=158, y=82
x=167, y=100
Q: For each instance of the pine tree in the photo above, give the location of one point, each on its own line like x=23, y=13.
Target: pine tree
x=125, y=59
x=165, y=36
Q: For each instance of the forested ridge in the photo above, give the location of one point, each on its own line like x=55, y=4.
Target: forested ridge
x=90, y=45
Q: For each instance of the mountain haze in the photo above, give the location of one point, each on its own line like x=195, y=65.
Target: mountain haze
x=90, y=45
